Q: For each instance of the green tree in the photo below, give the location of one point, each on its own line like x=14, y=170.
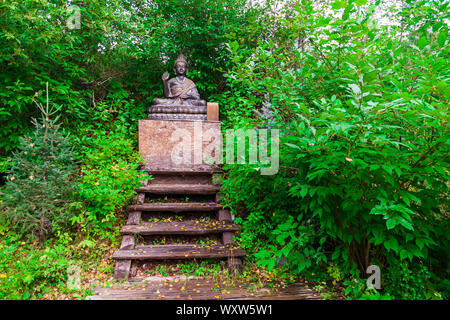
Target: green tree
x=38, y=192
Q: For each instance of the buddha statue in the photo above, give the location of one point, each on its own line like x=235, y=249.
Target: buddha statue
x=179, y=91
x=182, y=100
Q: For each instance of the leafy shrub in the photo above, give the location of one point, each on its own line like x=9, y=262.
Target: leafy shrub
x=408, y=280
x=110, y=176
x=38, y=192
x=365, y=186
x=27, y=272
x=363, y=155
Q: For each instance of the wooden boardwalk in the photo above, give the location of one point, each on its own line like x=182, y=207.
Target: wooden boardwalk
x=176, y=289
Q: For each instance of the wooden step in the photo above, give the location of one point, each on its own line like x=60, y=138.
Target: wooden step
x=176, y=207
x=184, y=172
x=183, y=251
x=179, y=227
x=200, y=189
x=167, y=288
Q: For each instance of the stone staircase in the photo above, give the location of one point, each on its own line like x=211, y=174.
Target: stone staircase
x=169, y=193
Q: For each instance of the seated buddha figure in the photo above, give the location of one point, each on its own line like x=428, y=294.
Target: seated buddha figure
x=179, y=91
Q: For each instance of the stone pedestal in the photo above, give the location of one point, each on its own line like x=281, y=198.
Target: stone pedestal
x=172, y=145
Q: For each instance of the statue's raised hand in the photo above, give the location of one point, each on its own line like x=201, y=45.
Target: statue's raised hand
x=165, y=76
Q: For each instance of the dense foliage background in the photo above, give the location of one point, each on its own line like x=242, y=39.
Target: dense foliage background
x=362, y=110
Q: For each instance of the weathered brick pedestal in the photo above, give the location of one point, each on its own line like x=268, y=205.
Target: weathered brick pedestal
x=181, y=156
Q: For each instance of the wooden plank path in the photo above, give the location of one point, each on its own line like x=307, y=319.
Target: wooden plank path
x=175, y=207
x=197, y=189
x=200, y=290
x=180, y=251
x=182, y=228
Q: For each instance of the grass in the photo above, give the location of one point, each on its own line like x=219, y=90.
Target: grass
x=29, y=270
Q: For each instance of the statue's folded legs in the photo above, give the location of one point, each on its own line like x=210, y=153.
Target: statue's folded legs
x=178, y=102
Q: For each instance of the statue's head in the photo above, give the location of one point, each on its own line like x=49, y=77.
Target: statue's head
x=181, y=66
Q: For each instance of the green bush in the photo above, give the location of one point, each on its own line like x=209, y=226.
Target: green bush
x=364, y=141
x=27, y=272
x=408, y=280
x=109, y=176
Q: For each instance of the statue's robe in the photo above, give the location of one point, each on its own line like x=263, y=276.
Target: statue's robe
x=182, y=92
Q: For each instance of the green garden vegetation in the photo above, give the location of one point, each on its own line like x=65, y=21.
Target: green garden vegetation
x=362, y=110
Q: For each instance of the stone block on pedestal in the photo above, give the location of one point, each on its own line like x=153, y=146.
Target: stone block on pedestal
x=171, y=145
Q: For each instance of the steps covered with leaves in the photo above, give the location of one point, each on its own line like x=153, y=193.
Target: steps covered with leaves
x=162, y=210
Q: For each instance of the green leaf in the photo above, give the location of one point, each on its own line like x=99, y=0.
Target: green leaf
x=285, y=250
x=304, y=191
x=347, y=10
x=403, y=254
x=339, y=4
x=406, y=224
x=387, y=168
x=336, y=254
x=409, y=237
x=355, y=88
x=234, y=46
x=391, y=244
x=420, y=243
x=281, y=238
x=442, y=38
x=270, y=264
x=292, y=146
x=303, y=264
x=391, y=223
x=422, y=42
